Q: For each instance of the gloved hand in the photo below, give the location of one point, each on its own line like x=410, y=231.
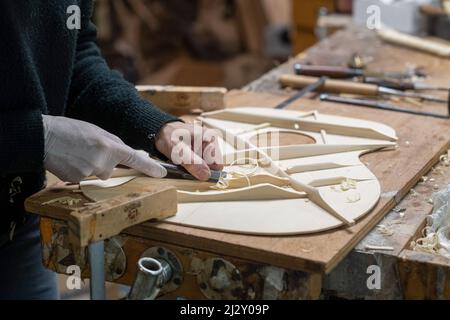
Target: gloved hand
x=76, y=149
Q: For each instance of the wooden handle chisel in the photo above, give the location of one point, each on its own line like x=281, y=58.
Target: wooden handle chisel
x=341, y=86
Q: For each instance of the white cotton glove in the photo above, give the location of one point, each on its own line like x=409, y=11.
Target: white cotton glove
x=76, y=149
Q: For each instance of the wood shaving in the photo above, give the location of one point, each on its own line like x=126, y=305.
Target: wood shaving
x=427, y=244
x=68, y=201
x=353, y=198
x=445, y=159
x=381, y=248
x=223, y=182
x=348, y=184
x=385, y=230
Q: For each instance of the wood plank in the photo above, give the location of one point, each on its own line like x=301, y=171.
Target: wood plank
x=94, y=222
x=183, y=100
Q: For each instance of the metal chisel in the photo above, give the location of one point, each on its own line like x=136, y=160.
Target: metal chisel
x=178, y=172
x=341, y=86
x=404, y=85
x=173, y=172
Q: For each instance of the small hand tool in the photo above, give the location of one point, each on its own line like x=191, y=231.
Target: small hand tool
x=310, y=88
x=380, y=105
x=404, y=85
x=173, y=172
x=341, y=86
x=178, y=172
x=344, y=72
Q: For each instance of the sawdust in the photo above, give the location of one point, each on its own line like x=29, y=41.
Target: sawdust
x=353, y=198
x=346, y=185
x=436, y=235
x=385, y=230
x=68, y=201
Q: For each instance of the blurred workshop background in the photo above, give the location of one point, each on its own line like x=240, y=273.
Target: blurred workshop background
x=232, y=42
x=209, y=42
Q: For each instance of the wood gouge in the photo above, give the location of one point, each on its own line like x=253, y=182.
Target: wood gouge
x=341, y=86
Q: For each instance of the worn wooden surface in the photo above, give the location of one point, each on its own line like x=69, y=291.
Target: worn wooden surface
x=93, y=222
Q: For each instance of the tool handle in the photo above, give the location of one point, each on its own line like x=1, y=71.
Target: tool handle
x=417, y=43
x=328, y=71
x=334, y=86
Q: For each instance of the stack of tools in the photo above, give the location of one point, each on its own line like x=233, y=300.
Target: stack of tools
x=368, y=87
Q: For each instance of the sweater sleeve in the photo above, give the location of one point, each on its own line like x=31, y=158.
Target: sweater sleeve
x=101, y=96
x=21, y=141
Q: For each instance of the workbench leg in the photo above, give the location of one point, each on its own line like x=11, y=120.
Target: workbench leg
x=97, y=268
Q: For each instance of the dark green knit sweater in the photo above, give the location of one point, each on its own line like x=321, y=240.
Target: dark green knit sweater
x=46, y=68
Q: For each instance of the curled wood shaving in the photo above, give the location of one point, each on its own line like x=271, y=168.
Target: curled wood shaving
x=223, y=182
x=353, y=198
x=348, y=184
x=444, y=159
x=385, y=230
x=424, y=179
x=427, y=244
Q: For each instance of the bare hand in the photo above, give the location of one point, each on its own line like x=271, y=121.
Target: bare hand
x=195, y=148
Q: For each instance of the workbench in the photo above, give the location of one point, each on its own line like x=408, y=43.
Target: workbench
x=216, y=265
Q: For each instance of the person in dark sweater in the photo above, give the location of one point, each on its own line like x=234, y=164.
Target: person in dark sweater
x=63, y=110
